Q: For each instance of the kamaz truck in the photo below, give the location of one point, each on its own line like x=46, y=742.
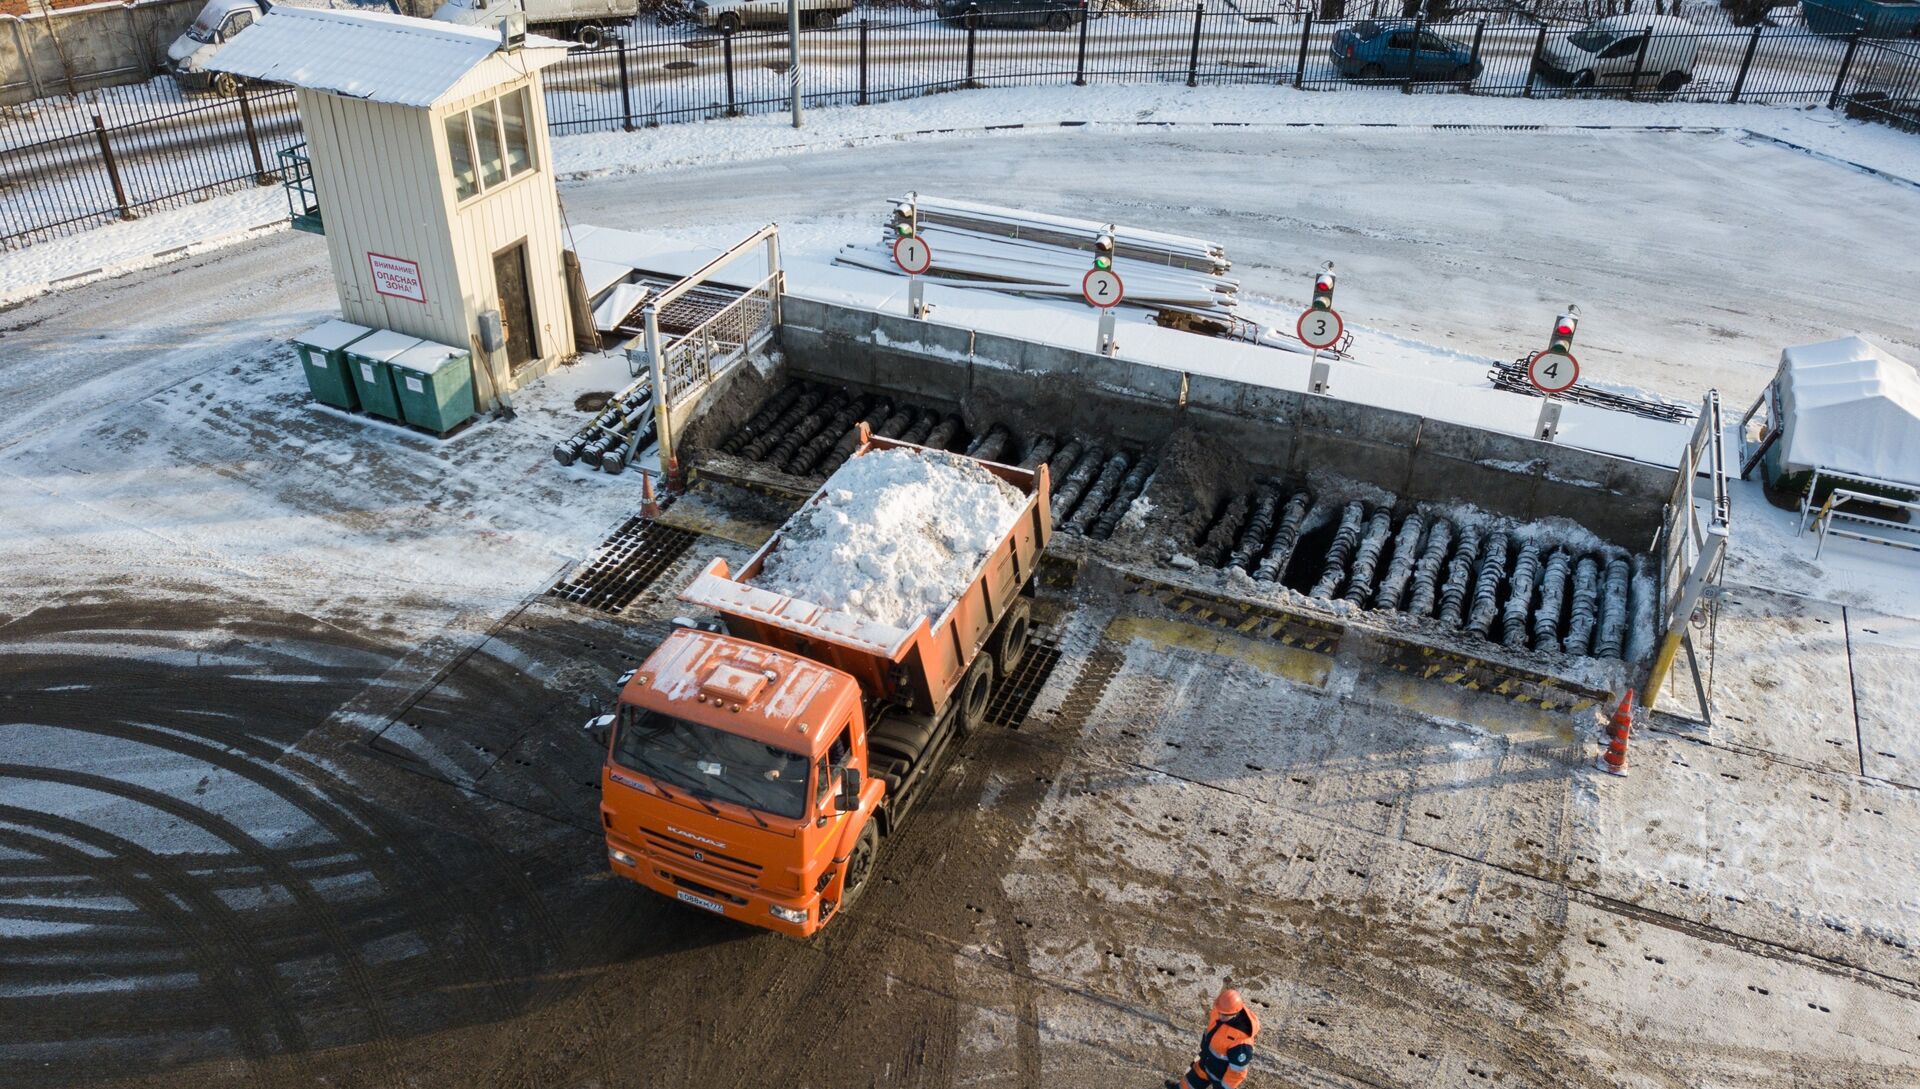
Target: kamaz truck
x=756, y=765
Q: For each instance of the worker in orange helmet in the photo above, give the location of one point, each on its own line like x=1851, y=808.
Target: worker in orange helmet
x=1226, y=1048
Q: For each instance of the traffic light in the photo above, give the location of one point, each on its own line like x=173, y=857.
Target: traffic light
x=906, y=217
x=1323, y=288
x=1563, y=328
x=1103, y=251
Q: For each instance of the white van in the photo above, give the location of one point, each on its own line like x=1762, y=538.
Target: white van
x=1603, y=53
x=585, y=21
x=219, y=21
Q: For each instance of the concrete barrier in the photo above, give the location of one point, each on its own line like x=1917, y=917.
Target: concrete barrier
x=1280, y=432
x=72, y=50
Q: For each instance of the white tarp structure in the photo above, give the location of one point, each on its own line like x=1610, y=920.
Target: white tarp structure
x=1851, y=407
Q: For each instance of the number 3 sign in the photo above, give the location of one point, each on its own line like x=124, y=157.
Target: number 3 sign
x=1319, y=329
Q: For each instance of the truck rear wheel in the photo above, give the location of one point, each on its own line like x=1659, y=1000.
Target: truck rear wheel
x=1009, y=642
x=976, y=694
x=860, y=865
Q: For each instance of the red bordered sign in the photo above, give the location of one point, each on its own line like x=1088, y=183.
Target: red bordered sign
x=912, y=254
x=1102, y=288
x=1551, y=372
x=1319, y=329
x=397, y=277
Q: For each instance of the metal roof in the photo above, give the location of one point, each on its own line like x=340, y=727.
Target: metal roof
x=372, y=55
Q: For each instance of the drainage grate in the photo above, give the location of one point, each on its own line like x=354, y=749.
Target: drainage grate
x=1014, y=696
x=625, y=564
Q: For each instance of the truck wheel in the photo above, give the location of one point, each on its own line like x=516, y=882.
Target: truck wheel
x=729, y=23
x=976, y=694
x=1009, y=643
x=590, y=36
x=225, y=84
x=860, y=866
x=1059, y=20
x=1672, y=82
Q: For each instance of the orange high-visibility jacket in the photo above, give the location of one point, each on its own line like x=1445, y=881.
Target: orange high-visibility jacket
x=1226, y=1050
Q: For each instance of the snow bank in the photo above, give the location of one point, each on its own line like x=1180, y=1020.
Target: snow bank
x=895, y=536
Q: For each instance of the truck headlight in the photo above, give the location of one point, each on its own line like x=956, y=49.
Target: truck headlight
x=797, y=916
x=622, y=857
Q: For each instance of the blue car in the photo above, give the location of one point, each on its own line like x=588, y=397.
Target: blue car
x=1377, y=50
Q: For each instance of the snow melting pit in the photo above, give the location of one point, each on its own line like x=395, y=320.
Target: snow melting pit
x=894, y=537
x=810, y=429
x=1548, y=587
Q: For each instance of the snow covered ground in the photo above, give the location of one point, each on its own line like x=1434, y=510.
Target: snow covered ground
x=122, y=246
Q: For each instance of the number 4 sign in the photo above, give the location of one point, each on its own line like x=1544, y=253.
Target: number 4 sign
x=1551, y=372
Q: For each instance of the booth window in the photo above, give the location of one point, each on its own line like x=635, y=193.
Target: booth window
x=460, y=150
x=490, y=144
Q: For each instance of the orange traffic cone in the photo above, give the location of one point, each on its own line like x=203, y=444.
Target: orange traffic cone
x=649, y=508
x=1615, y=758
x=1622, y=723
x=676, y=479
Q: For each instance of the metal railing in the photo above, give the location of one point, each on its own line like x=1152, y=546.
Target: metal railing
x=66, y=165
x=1692, y=547
x=686, y=366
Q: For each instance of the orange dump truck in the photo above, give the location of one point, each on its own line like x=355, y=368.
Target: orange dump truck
x=755, y=772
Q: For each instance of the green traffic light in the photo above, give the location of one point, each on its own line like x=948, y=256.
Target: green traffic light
x=1103, y=263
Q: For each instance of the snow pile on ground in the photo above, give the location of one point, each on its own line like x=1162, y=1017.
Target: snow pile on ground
x=895, y=537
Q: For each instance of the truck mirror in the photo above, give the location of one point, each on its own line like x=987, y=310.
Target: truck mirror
x=597, y=728
x=849, y=800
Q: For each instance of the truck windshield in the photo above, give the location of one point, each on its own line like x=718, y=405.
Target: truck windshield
x=711, y=763
x=1593, y=41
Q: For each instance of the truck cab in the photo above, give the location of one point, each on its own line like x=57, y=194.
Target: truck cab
x=734, y=782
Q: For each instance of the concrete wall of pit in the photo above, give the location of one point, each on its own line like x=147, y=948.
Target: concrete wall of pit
x=1279, y=432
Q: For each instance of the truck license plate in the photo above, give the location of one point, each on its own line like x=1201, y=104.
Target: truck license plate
x=700, y=901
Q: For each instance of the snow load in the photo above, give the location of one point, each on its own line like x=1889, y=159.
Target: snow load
x=1848, y=405
x=895, y=536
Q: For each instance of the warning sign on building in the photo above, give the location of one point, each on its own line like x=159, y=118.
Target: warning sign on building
x=397, y=277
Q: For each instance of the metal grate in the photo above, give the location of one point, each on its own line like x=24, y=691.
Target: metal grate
x=1014, y=696
x=625, y=564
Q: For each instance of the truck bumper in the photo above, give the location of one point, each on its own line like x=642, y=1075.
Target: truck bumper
x=750, y=906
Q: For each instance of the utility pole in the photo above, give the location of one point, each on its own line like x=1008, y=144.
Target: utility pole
x=793, y=58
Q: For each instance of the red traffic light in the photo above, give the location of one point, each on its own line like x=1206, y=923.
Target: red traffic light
x=1564, y=329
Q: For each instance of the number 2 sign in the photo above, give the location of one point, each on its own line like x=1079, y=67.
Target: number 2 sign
x=1103, y=288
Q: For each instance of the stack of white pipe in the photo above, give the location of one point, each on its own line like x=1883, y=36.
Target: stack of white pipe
x=1031, y=253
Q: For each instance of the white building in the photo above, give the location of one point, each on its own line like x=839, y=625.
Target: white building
x=432, y=171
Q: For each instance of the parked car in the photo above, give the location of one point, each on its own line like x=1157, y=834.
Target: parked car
x=1051, y=14
x=219, y=21
x=1605, y=53
x=1386, y=50
x=585, y=21
x=728, y=16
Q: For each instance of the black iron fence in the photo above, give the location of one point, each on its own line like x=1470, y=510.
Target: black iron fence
x=65, y=166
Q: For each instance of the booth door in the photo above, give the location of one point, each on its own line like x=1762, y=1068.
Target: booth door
x=516, y=306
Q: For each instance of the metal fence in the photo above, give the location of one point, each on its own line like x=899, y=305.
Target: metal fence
x=67, y=166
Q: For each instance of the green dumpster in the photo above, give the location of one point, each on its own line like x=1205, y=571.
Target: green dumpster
x=323, y=356
x=369, y=360
x=435, y=386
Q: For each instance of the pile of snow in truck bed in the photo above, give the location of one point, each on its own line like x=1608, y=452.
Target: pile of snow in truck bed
x=896, y=536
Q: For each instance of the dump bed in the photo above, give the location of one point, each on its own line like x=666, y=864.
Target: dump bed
x=918, y=665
